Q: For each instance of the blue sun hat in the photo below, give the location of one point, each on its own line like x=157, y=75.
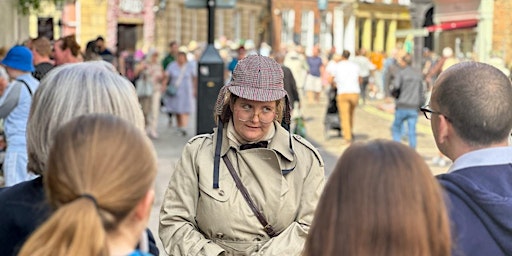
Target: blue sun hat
x=20, y=58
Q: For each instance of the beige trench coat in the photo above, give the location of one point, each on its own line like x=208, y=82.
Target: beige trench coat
x=197, y=219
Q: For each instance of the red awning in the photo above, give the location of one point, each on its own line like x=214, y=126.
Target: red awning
x=453, y=25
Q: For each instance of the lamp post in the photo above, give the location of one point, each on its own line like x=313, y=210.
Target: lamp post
x=417, y=11
x=210, y=68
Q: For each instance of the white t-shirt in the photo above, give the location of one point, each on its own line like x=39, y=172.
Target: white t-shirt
x=346, y=76
x=365, y=65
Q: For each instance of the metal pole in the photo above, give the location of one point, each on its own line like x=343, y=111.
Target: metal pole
x=211, y=21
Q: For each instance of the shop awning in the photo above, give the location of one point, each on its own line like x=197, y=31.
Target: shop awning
x=453, y=25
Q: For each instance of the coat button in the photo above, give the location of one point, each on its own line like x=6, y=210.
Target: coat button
x=221, y=192
x=219, y=235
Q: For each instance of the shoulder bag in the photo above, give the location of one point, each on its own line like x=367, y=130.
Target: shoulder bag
x=172, y=88
x=143, y=87
x=266, y=226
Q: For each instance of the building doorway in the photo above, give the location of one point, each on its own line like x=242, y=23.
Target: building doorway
x=126, y=37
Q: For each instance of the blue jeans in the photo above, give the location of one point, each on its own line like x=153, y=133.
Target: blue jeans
x=402, y=115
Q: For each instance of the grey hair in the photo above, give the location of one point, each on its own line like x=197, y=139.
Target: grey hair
x=72, y=90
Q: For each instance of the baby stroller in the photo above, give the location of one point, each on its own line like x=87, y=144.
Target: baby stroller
x=332, y=118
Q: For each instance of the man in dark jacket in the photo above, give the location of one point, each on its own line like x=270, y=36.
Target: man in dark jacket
x=471, y=119
x=409, y=90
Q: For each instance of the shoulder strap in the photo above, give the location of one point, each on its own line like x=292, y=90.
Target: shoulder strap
x=266, y=226
x=26, y=85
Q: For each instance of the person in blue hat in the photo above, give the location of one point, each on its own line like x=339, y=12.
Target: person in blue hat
x=14, y=109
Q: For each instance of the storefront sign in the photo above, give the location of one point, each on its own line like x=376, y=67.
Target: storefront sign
x=204, y=3
x=131, y=6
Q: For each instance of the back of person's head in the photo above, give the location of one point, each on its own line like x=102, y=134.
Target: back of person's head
x=345, y=54
x=100, y=168
x=42, y=46
x=69, y=42
x=407, y=59
x=389, y=206
x=72, y=90
x=477, y=100
x=447, y=52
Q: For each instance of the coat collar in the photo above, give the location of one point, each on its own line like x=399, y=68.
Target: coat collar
x=279, y=143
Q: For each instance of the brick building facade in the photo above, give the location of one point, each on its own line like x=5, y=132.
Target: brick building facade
x=502, y=30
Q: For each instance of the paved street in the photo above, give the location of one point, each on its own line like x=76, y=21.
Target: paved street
x=373, y=121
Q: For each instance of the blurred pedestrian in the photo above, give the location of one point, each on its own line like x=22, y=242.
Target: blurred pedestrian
x=152, y=74
x=345, y=76
x=66, y=50
x=409, y=91
x=365, y=68
x=313, y=85
x=295, y=60
x=14, y=109
x=171, y=54
x=41, y=49
x=183, y=77
x=105, y=53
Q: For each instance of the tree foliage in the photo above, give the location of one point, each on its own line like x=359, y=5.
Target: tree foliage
x=27, y=6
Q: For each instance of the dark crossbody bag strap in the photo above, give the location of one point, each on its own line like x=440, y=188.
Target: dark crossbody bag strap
x=26, y=85
x=266, y=226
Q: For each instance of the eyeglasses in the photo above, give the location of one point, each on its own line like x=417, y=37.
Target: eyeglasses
x=246, y=113
x=429, y=112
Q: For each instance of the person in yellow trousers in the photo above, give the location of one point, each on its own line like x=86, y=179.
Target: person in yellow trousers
x=345, y=76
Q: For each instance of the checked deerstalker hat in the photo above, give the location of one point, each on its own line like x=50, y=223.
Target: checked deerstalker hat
x=257, y=78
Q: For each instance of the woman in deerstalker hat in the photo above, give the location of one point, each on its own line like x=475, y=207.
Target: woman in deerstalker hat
x=251, y=187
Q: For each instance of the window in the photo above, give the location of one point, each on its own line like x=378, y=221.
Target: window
x=326, y=36
x=288, y=21
x=307, y=35
x=404, y=2
x=237, y=23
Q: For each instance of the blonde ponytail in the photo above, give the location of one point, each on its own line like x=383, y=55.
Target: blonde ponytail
x=74, y=229
x=99, y=168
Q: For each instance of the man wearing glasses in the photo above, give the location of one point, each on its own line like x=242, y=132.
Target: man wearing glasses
x=471, y=118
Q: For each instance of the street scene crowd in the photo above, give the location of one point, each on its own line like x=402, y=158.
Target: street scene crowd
x=79, y=161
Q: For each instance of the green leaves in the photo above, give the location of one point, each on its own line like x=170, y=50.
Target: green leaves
x=27, y=6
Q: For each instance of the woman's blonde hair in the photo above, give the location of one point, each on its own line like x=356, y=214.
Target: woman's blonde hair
x=99, y=168
x=381, y=199
x=72, y=90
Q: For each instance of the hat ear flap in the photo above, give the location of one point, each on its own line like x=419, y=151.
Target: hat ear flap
x=287, y=110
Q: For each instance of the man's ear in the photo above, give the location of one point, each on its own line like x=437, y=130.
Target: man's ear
x=445, y=129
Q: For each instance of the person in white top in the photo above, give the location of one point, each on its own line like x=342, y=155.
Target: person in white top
x=345, y=75
x=366, y=70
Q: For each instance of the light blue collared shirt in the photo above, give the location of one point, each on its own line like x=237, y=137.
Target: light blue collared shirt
x=483, y=157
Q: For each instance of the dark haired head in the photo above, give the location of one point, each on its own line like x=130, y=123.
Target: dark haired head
x=345, y=54
x=477, y=99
